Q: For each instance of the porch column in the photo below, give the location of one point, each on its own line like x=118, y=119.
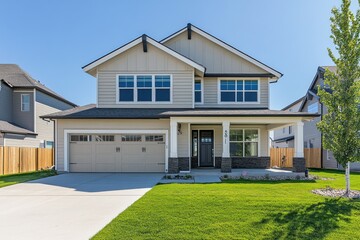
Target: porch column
x=226, y=160
x=226, y=133
x=299, y=139
x=299, y=164
x=173, y=161
x=173, y=139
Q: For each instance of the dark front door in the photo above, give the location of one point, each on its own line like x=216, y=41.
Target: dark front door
x=206, y=148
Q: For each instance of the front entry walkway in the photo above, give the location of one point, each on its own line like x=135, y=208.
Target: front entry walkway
x=69, y=206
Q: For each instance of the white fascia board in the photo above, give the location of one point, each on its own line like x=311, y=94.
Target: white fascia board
x=174, y=35
x=113, y=54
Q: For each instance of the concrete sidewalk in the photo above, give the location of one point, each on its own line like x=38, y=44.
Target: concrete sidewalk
x=69, y=206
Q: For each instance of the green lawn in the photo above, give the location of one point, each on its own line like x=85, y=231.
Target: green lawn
x=7, y=180
x=240, y=210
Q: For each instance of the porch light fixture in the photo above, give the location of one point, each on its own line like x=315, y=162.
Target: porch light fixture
x=179, y=129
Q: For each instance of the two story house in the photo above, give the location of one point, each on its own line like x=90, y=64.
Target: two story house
x=284, y=137
x=312, y=135
x=22, y=101
x=187, y=101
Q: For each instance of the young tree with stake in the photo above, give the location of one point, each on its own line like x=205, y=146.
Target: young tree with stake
x=341, y=91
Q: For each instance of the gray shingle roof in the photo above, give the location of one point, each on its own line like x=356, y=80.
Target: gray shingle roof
x=6, y=127
x=91, y=112
x=12, y=74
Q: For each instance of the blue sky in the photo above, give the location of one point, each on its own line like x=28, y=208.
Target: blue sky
x=52, y=40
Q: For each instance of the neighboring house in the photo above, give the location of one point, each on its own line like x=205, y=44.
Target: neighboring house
x=312, y=136
x=187, y=101
x=284, y=137
x=22, y=101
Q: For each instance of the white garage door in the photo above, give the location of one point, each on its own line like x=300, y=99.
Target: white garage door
x=117, y=153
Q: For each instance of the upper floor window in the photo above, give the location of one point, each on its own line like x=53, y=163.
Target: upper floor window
x=232, y=91
x=162, y=88
x=313, y=108
x=126, y=88
x=25, y=102
x=198, y=91
x=144, y=88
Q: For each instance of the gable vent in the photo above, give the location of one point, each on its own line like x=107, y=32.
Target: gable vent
x=144, y=42
x=189, y=31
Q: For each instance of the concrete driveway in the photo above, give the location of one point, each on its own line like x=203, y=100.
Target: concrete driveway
x=69, y=206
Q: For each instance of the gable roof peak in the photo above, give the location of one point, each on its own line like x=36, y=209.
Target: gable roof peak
x=225, y=45
x=135, y=42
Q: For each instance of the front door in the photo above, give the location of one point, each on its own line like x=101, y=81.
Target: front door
x=206, y=148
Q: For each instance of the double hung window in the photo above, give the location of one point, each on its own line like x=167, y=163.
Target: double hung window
x=232, y=91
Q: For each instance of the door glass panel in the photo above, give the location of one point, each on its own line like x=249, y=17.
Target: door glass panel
x=206, y=137
x=195, y=143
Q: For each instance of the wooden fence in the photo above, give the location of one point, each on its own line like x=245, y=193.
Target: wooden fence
x=23, y=159
x=283, y=157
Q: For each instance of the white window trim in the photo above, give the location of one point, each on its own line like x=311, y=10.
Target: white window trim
x=241, y=103
x=258, y=141
x=22, y=109
x=202, y=91
x=67, y=133
x=135, y=101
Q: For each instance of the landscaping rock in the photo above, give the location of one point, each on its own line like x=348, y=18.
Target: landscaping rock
x=330, y=192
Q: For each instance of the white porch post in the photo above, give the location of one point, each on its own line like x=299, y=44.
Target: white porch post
x=299, y=139
x=173, y=139
x=226, y=137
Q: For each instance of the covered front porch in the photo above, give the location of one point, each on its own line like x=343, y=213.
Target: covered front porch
x=227, y=143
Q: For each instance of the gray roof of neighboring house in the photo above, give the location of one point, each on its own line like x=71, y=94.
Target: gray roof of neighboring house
x=6, y=127
x=284, y=139
x=92, y=112
x=14, y=76
x=319, y=73
x=293, y=103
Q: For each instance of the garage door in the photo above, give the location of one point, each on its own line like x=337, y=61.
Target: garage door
x=117, y=153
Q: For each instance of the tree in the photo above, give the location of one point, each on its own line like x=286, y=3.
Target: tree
x=341, y=90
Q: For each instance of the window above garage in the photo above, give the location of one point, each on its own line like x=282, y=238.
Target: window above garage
x=144, y=88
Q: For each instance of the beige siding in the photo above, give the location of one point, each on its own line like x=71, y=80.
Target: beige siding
x=183, y=141
x=215, y=58
x=154, y=61
x=211, y=90
x=106, y=124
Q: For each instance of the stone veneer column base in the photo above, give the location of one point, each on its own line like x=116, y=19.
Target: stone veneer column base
x=184, y=163
x=173, y=165
x=251, y=162
x=299, y=164
x=226, y=165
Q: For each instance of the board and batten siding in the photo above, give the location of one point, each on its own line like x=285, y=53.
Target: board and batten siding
x=215, y=58
x=211, y=90
x=136, y=61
